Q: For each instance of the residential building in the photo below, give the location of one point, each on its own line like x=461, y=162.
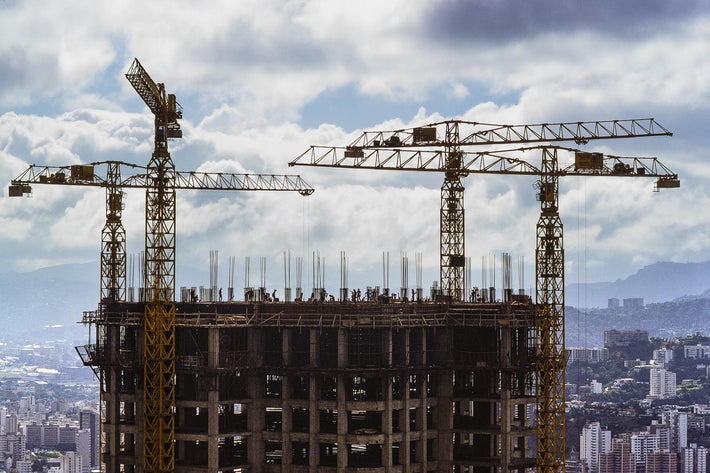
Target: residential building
x=89, y=419
x=593, y=441
x=662, y=461
x=693, y=459
x=613, y=303
x=662, y=383
x=696, y=351
x=677, y=423
x=662, y=356
x=23, y=466
x=71, y=462
x=624, y=338
x=643, y=443
x=11, y=425
x=619, y=459
x=596, y=387
x=633, y=303
x=83, y=448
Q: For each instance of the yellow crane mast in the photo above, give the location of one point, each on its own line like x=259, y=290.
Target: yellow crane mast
x=438, y=148
x=159, y=315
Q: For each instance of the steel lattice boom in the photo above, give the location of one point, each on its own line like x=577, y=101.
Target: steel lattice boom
x=113, y=235
x=477, y=133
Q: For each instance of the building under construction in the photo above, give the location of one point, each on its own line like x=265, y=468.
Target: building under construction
x=386, y=386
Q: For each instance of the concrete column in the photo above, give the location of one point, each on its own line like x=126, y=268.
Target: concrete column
x=313, y=396
x=506, y=406
x=255, y=408
x=422, y=423
x=387, y=415
x=213, y=400
x=443, y=412
x=404, y=447
x=342, y=399
x=286, y=416
x=111, y=398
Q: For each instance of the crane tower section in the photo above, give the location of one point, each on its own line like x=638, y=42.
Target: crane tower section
x=159, y=316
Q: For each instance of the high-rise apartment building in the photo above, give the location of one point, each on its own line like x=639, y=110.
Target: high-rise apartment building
x=619, y=459
x=662, y=461
x=677, y=423
x=71, y=462
x=89, y=419
x=592, y=442
x=662, y=383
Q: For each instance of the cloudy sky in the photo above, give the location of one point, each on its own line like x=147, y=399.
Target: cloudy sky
x=260, y=81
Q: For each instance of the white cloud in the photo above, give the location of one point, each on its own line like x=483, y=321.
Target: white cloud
x=247, y=69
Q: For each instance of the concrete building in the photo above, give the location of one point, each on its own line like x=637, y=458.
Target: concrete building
x=83, y=448
x=33, y=435
x=643, y=443
x=662, y=356
x=613, y=303
x=306, y=387
x=89, y=419
x=696, y=351
x=677, y=423
x=624, y=338
x=67, y=437
x=662, y=461
x=71, y=463
x=50, y=436
x=619, y=459
x=593, y=441
x=633, y=303
x=662, y=383
x=589, y=355
x=596, y=387
x=11, y=424
x=694, y=459
x=23, y=466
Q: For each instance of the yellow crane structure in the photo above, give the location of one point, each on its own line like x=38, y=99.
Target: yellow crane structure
x=160, y=180
x=438, y=147
x=113, y=235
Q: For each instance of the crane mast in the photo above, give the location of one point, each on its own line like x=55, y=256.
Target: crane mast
x=159, y=314
x=549, y=319
x=452, y=254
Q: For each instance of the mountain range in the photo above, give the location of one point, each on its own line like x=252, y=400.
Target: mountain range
x=658, y=282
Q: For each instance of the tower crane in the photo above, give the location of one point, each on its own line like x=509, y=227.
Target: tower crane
x=160, y=180
x=113, y=234
x=437, y=147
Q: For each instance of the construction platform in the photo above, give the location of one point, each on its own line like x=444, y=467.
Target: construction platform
x=328, y=387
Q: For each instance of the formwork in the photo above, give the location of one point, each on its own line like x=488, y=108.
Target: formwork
x=328, y=387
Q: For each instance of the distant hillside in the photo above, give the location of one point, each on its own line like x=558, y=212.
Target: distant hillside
x=665, y=320
x=658, y=282
x=34, y=303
